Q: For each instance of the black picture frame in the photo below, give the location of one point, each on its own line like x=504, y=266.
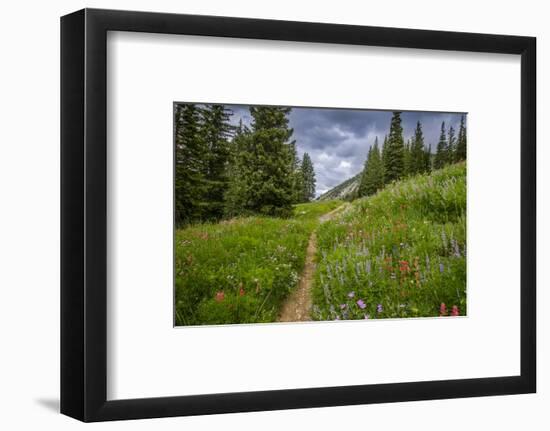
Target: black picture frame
x=84, y=214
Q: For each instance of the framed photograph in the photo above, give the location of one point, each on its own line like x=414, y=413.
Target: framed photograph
x=262, y=215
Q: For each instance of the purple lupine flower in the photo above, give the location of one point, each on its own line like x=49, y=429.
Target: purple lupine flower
x=441, y=267
x=361, y=304
x=379, y=308
x=351, y=294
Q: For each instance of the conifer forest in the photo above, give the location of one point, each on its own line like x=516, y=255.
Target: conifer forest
x=307, y=214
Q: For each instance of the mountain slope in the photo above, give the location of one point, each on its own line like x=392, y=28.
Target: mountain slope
x=343, y=191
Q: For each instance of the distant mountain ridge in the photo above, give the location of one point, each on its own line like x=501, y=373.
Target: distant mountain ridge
x=345, y=191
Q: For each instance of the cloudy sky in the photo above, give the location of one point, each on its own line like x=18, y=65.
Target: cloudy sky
x=338, y=140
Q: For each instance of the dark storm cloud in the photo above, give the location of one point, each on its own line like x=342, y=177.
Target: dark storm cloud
x=338, y=140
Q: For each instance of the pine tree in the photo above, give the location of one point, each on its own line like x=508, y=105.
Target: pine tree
x=407, y=159
x=442, y=149
x=378, y=167
x=363, y=184
x=461, y=142
x=216, y=131
x=451, y=145
x=418, y=156
x=265, y=163
x=372, y=178
x=394, y=163
x=308, y=178
x=384, y=156
x=428, y=159
x=190, y=150
x=235, y=195
x=297, y=175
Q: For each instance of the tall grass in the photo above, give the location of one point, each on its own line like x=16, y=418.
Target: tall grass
x=240, y=270
x=399, y=253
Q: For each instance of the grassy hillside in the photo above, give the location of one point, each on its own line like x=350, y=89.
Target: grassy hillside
x=399, y=253
x=240, y=270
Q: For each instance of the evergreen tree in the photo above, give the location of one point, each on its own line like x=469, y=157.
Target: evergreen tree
x=428, y=159
x=461, y=142
x=190, y=187
x=394, y=163
x=362, y=190
x=239, y=129
x=451, y=145
x=297, y=175
x=236, y=193
x=372, y=178
x=384, y=156
x=265, y=164
x=442, y=150
x=216, y=131
x=418, y=155
x=407, y=158
x=308, y=178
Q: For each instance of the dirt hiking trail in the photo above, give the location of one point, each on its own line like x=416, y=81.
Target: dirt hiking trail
x=297, y=307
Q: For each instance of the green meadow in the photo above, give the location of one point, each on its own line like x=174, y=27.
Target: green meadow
x=398, y=253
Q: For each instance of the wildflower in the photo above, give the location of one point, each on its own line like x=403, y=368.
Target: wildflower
x=351, y=294
x=441, y=267
x=241, y=291
x=343, y=306
x=220, y=296
x=455, y=311
x=404, y=266
x=442, y=309
x=379, y=308
x=367, y=316
x=361, y=304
